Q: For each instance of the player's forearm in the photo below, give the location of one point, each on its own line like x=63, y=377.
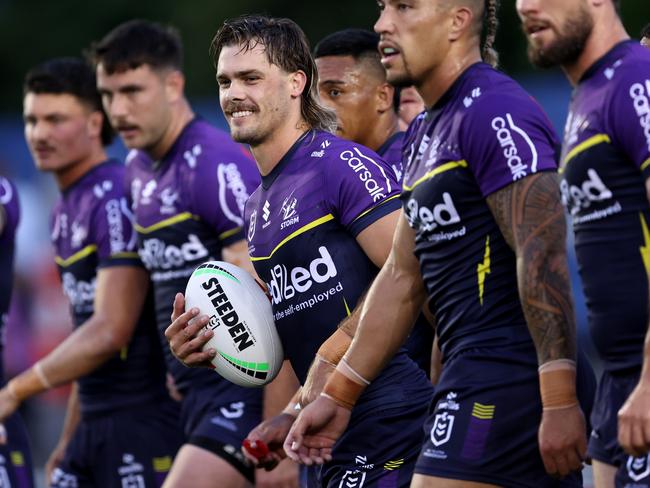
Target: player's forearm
x=386, y=318
x=83, y=351
x=531, y=219
x=280, y=391
x=72, y=415
x=545, y=292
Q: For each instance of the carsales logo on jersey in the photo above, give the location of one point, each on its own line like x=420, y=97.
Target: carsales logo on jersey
x=506, y=129
x=376, y=190
x=639, y=95
x=285, y=283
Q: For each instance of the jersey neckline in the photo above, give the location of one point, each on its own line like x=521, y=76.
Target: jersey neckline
x=604, y=59
x=388, y=143
x=87, y=174
x=267, y=180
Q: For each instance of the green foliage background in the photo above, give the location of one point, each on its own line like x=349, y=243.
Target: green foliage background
x=34, y=30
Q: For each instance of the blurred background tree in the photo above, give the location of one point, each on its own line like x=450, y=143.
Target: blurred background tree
x=35, y=30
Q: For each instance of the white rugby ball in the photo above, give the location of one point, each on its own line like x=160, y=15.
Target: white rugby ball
x=249, y=351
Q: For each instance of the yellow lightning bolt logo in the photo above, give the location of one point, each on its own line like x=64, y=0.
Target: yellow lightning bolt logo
x=645, y=250
x=483, y=269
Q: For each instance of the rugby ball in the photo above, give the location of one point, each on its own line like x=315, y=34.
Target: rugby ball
x=249, y=351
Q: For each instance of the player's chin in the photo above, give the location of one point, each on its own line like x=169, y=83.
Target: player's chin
x=243, y=135
x=397, y=76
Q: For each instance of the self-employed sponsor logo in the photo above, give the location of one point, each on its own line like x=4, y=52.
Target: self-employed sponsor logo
x=157, y=255
x=286, y=283
x=581, y=196
x=427, y=219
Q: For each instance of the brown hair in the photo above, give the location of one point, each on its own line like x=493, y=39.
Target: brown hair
x=286, y=46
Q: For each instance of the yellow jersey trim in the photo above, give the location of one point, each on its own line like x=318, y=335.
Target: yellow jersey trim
x=645, y=164
x=584, y=145
x=302, y=230
x=362, y=214
x=86, y=251
x=440, y=169
x=229, y=233
x=123, y=255
x=166, y=223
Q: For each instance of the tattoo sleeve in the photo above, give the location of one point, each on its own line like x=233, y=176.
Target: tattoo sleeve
x=531, y=218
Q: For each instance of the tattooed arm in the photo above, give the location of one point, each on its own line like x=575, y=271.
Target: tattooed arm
x=531, y=219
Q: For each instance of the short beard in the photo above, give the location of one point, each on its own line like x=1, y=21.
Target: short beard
x=252, y=140
x=570, y=42
x=403, y=80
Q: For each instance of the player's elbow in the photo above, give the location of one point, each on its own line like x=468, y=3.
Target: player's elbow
x=112, y=337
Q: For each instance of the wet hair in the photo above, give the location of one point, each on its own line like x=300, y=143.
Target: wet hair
x=645, y=32
x=71, y=76
x=136, y=43
x=489, y=31
x=361, y=44
x=286, y=47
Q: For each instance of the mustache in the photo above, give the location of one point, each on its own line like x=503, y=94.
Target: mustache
x=239, y=107
x=43, y=146
x=123, y=126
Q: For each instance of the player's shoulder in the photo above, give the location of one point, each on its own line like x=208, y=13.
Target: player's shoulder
x=626, y=71
x=337, y=153
x=489, y=92
x=618, y=73
x=501, y=107
x=105, y=182
x=201, y=143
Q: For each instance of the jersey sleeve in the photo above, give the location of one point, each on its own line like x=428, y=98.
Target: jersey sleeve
x=220, y=186
x=9, y=209
x=505, y=139
x=112, y=229
x=628, y=115
x=361, y=187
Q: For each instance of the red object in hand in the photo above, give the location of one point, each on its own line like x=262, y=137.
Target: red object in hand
x=257, y=449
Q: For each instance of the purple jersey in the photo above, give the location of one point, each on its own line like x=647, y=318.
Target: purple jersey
x=9, y=217
x=605, y=163
x=302, y=226
x=420, y=341
x=484, y=134
x=391, y=152
x=92, y=229
x=187, y=207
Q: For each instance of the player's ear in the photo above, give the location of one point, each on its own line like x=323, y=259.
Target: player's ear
x=385, y=93
x=174, y=85
x=297, y=83
x=462, y=19
x=95, y=122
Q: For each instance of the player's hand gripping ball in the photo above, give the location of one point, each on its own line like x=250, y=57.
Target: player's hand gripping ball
x=249, y=351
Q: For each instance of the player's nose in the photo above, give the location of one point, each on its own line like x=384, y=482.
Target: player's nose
x=383, y=23
x=117, y=107
x=525, y=7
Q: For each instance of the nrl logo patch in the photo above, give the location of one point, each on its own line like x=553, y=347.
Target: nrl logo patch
x=442, y=427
